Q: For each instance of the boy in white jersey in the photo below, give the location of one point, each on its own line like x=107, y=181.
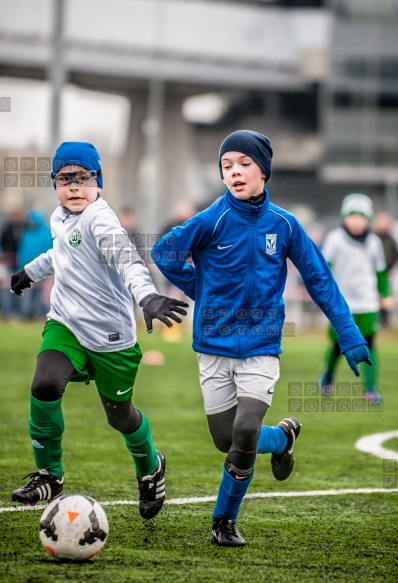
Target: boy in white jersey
x=356, y=258
x=90, y=333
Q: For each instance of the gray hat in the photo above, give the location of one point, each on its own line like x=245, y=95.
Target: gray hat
x=254, y=145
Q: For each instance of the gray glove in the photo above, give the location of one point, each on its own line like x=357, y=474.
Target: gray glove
x=161, y=308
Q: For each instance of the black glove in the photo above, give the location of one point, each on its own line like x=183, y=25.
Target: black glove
x=162, y=308
x=19, y=281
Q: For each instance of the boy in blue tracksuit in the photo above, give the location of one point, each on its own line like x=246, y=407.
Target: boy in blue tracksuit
x=239, y=246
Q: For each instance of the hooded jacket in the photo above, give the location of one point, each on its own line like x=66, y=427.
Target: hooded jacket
x=35, y=239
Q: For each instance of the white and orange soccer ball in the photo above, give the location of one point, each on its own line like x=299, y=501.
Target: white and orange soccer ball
x=74, y=527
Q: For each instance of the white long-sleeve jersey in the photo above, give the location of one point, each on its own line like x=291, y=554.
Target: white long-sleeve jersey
x=97, y=272
x=354, y=266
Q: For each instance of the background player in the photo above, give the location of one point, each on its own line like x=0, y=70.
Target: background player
x=356, y=258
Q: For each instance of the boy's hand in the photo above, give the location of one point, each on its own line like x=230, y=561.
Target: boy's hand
x=162, y=308
x=357, y=355
x=19, y=281
x=387, y=304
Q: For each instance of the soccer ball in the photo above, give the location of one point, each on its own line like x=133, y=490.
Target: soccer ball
x=74, y=527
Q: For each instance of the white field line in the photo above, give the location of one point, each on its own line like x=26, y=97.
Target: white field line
x=198, y=500
x=372, y=444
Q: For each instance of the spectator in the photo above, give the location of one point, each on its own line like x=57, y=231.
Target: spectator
x=184, y=210
x=9, y=240
x=128, y=219
x=382, y=226
x=35, y=240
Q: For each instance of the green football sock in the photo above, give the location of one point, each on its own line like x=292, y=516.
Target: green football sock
x=370, y=372
x=140, y=445
x=332, y=358
x=46, y=426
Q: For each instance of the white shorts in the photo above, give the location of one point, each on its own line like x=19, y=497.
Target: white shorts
x=224, y=379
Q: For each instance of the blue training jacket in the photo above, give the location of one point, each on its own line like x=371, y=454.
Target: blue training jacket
x=231, y=259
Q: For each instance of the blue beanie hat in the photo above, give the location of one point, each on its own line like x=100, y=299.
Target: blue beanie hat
x=79, y=154
x=254, y=145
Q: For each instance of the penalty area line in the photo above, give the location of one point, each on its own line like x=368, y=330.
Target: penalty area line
x=203, y=499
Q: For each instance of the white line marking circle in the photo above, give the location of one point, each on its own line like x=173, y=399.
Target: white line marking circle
x=372, y=444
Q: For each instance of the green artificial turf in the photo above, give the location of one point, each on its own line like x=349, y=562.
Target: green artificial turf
x=350, y=537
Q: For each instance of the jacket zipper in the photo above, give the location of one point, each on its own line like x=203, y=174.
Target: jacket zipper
x=253, y=229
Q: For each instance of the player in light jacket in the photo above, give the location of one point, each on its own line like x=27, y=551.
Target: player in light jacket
x=239, y=247
x=91, y=331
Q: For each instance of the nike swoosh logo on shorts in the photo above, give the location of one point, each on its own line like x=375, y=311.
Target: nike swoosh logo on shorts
x=122, y=392
x=224, y=246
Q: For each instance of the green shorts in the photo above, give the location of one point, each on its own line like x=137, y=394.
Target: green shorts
x=367, y=324
x=113, y=372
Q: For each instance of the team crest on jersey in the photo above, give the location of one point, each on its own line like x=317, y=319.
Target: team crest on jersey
x=270, y=243
x=75, y=238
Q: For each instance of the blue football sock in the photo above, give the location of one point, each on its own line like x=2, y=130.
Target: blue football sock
x=230, y=496
x=272, y=440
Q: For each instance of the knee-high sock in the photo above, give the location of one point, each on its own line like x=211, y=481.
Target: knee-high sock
x=271, y=440
x=370, y=372
x=230, y=495
x=46, y=426
x=140, y=445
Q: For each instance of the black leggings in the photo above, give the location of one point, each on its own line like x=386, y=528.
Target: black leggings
x=236, y=431
x=53, y=372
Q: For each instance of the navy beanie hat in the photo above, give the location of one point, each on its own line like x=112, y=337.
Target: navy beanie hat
x=253, y=144
x=80, y=154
